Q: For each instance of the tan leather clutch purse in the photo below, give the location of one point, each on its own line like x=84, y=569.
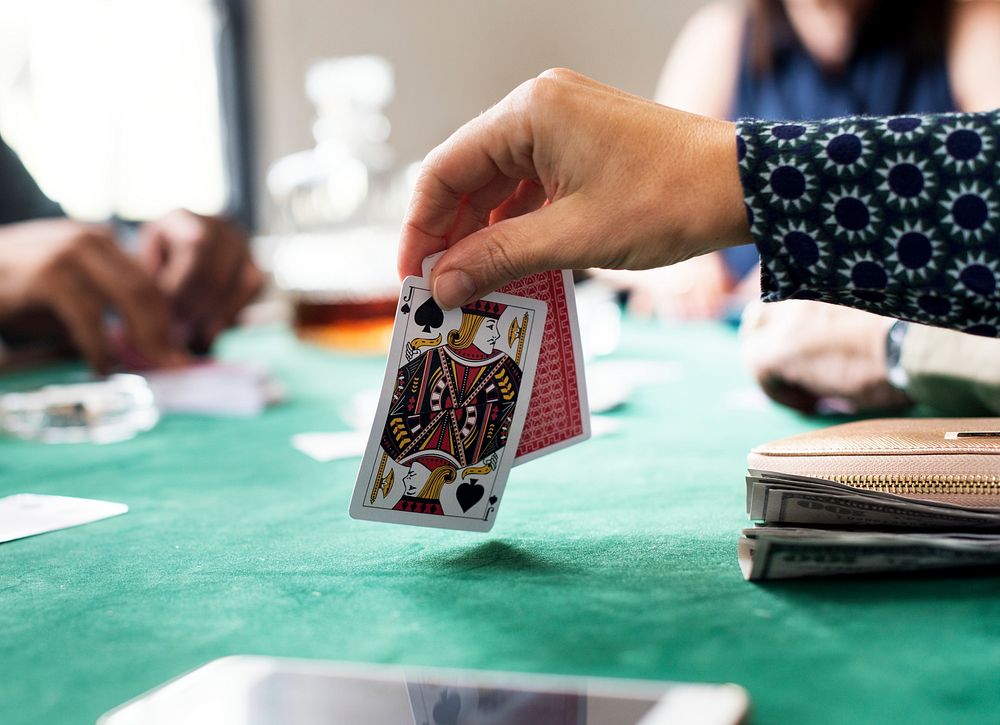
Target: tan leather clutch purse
x=956, y=460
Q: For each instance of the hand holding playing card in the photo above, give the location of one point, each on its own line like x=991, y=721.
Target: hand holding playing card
x=632, y=185
x=558, y=413
x=524, y=345
x=60, y=277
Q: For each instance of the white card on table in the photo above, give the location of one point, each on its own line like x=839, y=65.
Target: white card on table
x=333, y=446
x=28, y=514
x=453, y=403
x=213, y=388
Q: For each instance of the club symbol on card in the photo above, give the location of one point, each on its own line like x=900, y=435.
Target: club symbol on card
x=429, y=315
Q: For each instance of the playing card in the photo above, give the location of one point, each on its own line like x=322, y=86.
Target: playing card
x=558, y=415
x=451, y=412
x=28, y=514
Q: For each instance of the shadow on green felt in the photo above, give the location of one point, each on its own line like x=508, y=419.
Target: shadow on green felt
x=952, y=586
x=499, y=557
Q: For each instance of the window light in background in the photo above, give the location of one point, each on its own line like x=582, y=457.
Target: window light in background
x=114, y=105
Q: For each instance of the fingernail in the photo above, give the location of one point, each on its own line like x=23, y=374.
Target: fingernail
x=453, y=289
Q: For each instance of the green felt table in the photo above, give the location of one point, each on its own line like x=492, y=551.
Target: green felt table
x=614, y=558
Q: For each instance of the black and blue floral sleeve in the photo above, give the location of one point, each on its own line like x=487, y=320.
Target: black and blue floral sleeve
x=899, y=215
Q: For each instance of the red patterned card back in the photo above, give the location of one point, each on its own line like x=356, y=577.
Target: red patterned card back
x=557, y=410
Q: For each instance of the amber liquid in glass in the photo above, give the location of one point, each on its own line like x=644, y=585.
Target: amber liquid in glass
x=345, y=324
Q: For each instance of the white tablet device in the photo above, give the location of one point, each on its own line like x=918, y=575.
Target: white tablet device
x=268, y=691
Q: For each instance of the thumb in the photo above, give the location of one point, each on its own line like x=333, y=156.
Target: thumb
x=486, y=260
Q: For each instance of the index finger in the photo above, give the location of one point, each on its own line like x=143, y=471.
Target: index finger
x=497, y=142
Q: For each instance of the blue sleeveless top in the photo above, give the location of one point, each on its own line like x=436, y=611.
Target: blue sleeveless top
x=878, y=81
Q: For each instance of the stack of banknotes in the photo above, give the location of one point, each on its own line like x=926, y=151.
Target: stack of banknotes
x=814, y=527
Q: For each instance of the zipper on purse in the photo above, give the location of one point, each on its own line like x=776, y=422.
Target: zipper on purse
x=976, y=484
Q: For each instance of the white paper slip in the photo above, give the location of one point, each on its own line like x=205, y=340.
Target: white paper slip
x=332, y=446
x=212, y=388
x=28, y=514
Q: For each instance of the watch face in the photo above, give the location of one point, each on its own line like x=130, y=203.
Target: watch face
x=893, y=355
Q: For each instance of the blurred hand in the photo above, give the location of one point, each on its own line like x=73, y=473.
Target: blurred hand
x=203, y=266
x=77, y=271
x=696, y=289
x=631, y=185
x=804, y=352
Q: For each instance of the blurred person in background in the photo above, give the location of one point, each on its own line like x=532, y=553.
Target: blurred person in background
x=819, y=358
x=185, y=281
x=811, y=59
x=807, y=59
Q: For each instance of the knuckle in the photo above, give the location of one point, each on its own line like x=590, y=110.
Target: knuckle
x=559, y=74
x=500, y=253
x=79, y=237
x=177, y=213
x=60, y=259
x=189, y=230
x=84, y=240
x=66, y=253
x=141, y=290
x=541, y=91
x=89, y=234
x=433, y=196
x=197, y=236
x=431, y=159
x=549, y=90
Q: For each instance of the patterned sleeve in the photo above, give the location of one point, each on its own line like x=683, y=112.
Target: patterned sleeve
x=899, y=215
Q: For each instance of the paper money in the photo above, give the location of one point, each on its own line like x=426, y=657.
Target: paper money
x=770, y=552
x=815, y=527
x=778, y=498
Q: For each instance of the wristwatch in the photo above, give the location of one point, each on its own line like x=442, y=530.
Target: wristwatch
x=895, y=373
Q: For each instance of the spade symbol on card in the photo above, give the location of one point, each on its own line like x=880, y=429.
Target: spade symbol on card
x=493, y=500
x=447, y=708
x=405, y=309
x=469, y=494
x=429, y=315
